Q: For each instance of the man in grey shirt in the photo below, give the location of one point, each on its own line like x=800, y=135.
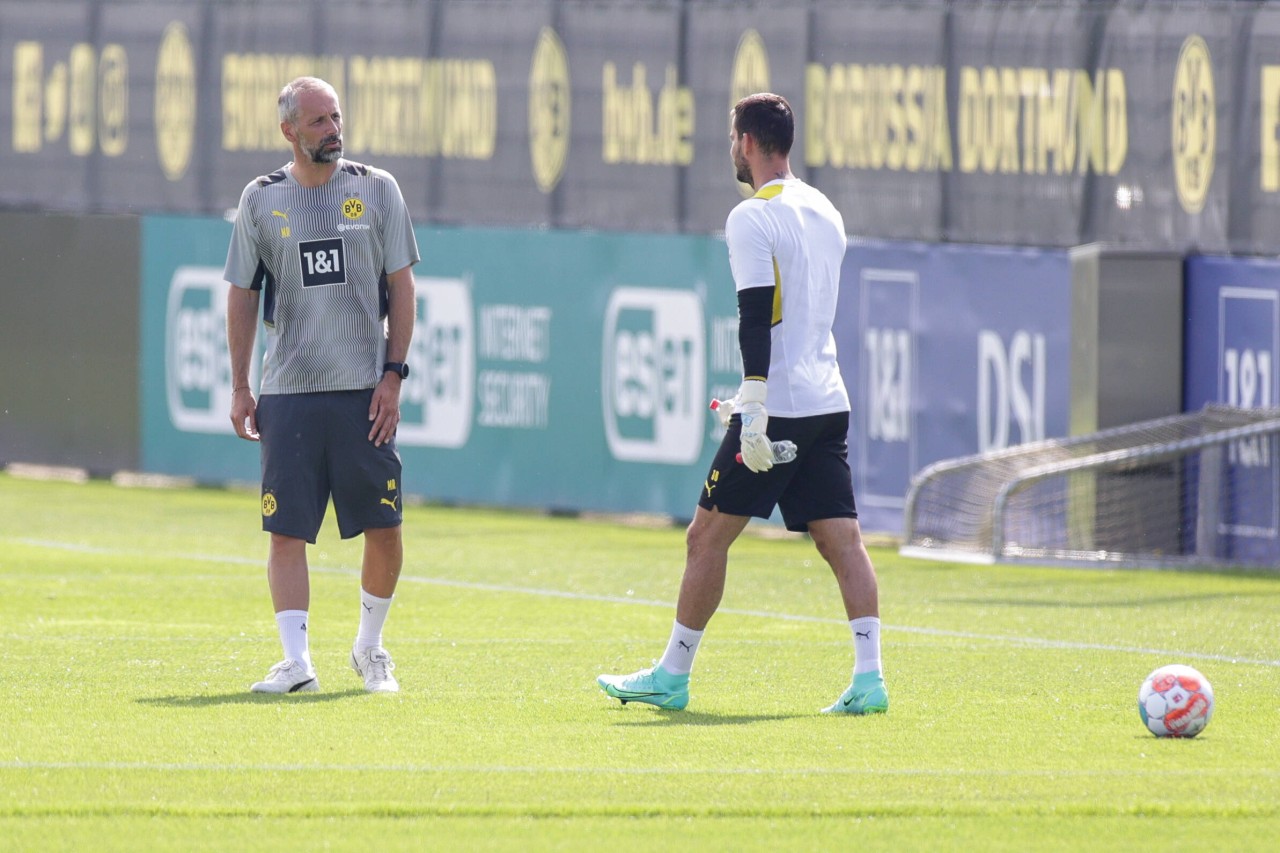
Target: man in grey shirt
x=324, y=249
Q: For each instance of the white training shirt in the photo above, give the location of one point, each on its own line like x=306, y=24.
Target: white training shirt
x=790, y=237
x=320, y=256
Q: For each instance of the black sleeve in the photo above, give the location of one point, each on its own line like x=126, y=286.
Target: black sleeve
x=755, y=322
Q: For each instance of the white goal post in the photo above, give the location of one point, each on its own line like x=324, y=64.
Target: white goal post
x=1196, y=489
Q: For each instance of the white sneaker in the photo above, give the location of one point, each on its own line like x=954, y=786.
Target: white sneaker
x=374, y=666
x=288, y=676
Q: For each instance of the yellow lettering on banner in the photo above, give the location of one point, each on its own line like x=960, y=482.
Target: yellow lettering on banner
x=870, y=126
x=970, y=133
x=912, y=143
x=251, y=85
x=1010, y=121
x=636, y=130
x=1039, y=121
x=1030, y=83
x=1269, y=148
x=80, y=100
x=393, y=106
x=895, y=149
x=1049, y=137
x=877, y=117
x=1117, y=121
x=28, y=79
x=1010, y=99
x=844, y=130
x=86, y=98
x=113, y=100
x=937, y=120
x=1063, y=115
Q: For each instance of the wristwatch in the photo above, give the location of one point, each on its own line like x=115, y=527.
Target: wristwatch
x=399, y=368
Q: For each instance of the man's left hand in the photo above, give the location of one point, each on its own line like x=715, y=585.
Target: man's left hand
x=757, y=452
x=384, y=409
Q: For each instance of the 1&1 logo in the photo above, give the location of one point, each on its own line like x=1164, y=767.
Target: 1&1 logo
x=196, y=365
x=654, y=377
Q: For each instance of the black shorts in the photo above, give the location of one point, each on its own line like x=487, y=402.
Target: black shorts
x=815, y=486
x=315, y=446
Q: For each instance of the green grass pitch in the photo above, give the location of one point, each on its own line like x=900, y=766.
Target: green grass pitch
x=134, y=620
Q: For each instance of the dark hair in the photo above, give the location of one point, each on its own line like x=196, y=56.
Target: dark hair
x=769, y=120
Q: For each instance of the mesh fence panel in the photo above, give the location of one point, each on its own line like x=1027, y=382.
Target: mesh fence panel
x=1157, y=492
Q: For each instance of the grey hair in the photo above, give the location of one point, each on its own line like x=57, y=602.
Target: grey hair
x=288, y=101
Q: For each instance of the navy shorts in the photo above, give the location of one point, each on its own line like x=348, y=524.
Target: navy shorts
x=315, y=446
x=817, y=485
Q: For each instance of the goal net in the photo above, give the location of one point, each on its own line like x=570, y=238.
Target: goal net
x=1201, y=488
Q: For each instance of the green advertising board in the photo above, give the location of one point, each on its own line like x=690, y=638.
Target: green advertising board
x=554, y=370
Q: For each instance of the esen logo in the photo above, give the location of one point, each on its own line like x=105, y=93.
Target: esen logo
x=654, y=377
x=438, y=397
x=196, y=365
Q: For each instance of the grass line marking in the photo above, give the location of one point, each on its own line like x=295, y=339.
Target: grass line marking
x=914, y=810
x=545, y=592
x=1038, y=773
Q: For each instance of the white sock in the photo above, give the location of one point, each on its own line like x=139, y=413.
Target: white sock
x=683, y=645
x=373, y=615
x=293, y=635
x=866, y=644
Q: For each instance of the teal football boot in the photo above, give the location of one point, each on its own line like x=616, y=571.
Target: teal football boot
x=654, y=686
x=866, y=695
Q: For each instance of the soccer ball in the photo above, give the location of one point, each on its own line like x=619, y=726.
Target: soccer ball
x=1175, y=701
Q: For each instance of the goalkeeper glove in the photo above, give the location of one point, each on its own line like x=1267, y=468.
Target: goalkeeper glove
x=757, y=452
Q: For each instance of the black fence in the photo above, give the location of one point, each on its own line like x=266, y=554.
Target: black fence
x=1153, y=125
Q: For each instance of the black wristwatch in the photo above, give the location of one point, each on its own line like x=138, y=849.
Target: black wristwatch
x=399, y=368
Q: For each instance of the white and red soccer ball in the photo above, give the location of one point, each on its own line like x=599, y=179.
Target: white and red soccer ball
x=1175, y=701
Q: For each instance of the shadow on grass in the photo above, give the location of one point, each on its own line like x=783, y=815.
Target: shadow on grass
x=206, y=700
x=1132, y=601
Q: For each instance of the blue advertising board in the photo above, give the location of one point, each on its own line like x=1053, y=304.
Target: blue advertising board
x=569, y=371
x=948, y=350
x=1232, y=352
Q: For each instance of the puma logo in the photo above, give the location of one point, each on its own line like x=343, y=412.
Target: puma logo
x=685, y=646
x=284, y=229
x=866, y=636
x=708, y=487
x=391, y=502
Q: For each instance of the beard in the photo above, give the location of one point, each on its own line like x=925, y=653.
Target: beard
x=321, y=153
x=743, y=172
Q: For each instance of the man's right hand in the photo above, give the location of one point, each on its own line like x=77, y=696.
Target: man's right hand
x=244, y=413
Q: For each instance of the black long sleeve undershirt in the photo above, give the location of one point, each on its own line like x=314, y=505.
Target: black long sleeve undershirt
x=755, y=322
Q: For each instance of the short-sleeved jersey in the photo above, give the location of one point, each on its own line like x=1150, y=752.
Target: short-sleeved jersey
x=321, y=256
x=790, y=237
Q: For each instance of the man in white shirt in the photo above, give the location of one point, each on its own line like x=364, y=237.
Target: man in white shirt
x=786, y=245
